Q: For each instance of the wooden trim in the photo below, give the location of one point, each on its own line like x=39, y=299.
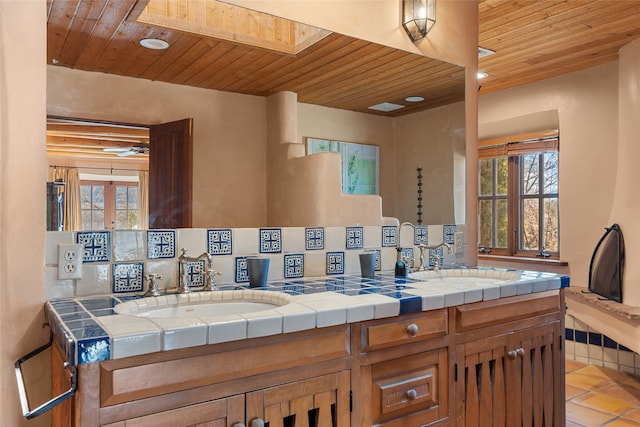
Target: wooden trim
x=555, y=261
x=551, y=133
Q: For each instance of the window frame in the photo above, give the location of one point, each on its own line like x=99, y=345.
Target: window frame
x=512, y=147
x=110, y=209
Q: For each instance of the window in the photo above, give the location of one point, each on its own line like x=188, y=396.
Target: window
x=518, y=203
x=109, y=205
x=359, y=164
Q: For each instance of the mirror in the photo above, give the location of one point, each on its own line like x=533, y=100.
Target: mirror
x=336, y=79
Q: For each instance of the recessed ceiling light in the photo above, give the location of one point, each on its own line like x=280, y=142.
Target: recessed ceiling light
x=482, y=52
x=386, y=107
x=154, y=44
x=414, y=99
x=481, y=75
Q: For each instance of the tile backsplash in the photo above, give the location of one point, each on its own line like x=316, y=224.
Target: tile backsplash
x=117, y=261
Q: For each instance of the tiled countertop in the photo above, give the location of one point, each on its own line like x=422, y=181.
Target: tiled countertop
x=91, y=330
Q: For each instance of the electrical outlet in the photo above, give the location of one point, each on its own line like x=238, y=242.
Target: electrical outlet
x=69, y=261
x=458, y=243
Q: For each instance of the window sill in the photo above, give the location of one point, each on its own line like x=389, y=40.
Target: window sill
x=524, y=260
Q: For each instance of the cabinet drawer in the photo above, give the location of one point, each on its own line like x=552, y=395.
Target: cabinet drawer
x=408, y=387
x=403, y=330
x=483, y=314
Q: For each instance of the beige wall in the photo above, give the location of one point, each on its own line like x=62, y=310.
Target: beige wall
x=229, y=135
x=586, y=104
x=22, y=201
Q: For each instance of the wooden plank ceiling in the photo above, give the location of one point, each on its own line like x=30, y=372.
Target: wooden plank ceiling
x=533, y=40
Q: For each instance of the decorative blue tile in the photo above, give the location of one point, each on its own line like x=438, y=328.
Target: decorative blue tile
x=435, y=253
x=420, y=235
x=93, y=350
x=407, y=253
x=564, y=281
x=580, y=336
x=161, y=244
x=96, y=244
x=128, y=277
x=378, y=260
x=195, y=273
x=568, y=334
x=389, y=235
x=314, y=238
x=355, y=239
x=242, y=272
x=609, y=343
x=335, y=263
x=293, y=266
x=448, y=234
x=595, y=338
x=219, y=241
x=270, y=240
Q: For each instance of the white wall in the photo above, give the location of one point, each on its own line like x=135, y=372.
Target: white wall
x=587, y=106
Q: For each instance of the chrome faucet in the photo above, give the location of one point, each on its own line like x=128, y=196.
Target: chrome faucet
x=209, y=274
x=436, y=265
x=399, y=248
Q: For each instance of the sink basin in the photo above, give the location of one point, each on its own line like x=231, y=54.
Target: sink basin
x=204, y=304
x=468, y=277
x=207, y=310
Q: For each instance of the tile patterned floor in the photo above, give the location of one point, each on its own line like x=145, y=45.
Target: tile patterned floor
x=599, y=396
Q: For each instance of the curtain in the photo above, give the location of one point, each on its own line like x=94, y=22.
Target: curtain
x=71, y=180
x=143, y=200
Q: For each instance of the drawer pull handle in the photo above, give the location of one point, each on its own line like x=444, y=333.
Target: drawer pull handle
x=412, y=329
x=238, y=425
x=257, y=423
x=411, y=394
x=520, y=352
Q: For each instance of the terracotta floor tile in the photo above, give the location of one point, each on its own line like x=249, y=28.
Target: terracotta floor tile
x=601, y=372
x=587, y=382
x=572, y=391
x=620, y=422
x=633, y=415
x=572, y=365
x=586, y=416
x=622, y=391
x=603, y=403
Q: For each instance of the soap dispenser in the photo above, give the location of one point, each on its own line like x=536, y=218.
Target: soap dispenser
x=401, y=266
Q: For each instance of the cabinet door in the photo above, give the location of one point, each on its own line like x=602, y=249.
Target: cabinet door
x=514, y=379
x=218, y=413
x=316, y=402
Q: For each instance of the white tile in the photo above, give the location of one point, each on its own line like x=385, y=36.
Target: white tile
x=406, y=236
x=315, y=263
x=52, y=240
x=293, y=239
x=436, y=234
x=569, y=321
x=383, y=306
x=182, y=332
x=335, y=239
x=133, y=345
x=352, y=261
x=226, y=328
x=491, y=292
x=226, y=266
x=431, y=299
x=628, y=369
x=472, y=295
x=389, y=257
x=539, y=285
x=372, y=236
x=129, y=245
x=581, y=350
x=96, y=280
x=57, y=289
x=263, y=323
x=276, y=267
x=579, y=325
x=594, y=353
x=296, y=317
x=582, y=359
x=610, y=355
x=613, y=366
x=194, y=240
x=508, y=290
x=246, y=241
x=524, y=288
x=625, y=358
x=569, y=349
x=327, y=313
x=168, y=269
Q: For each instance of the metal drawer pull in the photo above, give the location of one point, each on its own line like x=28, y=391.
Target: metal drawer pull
x=514, y=354
x=257, y=423
x=412, y=329
x=411, y=394
x=24, y=402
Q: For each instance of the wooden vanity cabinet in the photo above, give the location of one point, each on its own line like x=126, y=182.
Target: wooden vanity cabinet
x=509, y=363
x=402, y=377
x=303, y=376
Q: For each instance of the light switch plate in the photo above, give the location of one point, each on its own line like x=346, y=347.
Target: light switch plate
x=69, y=261
x=458, y=243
